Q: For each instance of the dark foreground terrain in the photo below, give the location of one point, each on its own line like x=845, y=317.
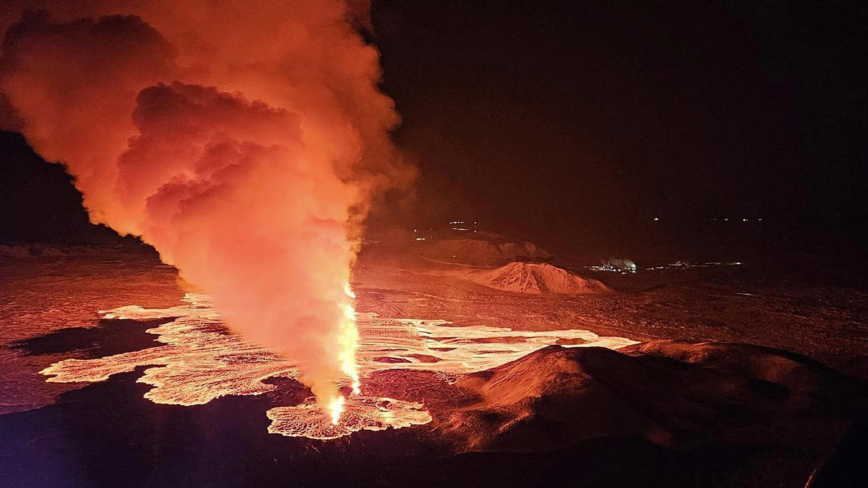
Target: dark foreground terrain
x=690, y=406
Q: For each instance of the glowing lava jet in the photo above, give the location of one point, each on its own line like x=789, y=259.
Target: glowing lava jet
x=349, y=341
x=246, y=150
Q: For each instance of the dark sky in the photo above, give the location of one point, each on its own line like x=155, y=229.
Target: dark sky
x=38, y=202
x=581, y=120
x=578, y=122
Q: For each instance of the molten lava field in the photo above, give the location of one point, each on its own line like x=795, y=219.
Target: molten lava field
x=715, y=376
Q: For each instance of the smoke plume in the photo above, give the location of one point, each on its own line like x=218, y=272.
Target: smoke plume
x=245, y=140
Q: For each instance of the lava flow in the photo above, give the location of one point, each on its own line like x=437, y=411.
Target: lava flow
x=199, y=362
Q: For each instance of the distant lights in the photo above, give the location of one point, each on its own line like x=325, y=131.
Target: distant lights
x=715, y=219
x=656, y=219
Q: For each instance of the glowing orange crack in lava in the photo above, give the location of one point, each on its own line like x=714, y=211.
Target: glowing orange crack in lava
x=200, y=362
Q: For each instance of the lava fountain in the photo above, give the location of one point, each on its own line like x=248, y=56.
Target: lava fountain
x=246, y=143
x=349, y=341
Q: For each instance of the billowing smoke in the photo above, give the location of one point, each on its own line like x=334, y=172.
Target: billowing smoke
x=244, y=140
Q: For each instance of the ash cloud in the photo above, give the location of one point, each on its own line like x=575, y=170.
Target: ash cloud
x=246, y=141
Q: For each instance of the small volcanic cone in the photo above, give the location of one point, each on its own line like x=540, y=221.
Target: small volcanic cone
x=536, y=279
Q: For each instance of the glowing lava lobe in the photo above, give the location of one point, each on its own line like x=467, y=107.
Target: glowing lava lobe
x=362, y=413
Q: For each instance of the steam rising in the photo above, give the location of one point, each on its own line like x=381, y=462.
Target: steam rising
x=246, y=141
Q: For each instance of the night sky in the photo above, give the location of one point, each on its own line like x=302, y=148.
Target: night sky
x=581, y=121
x=577, y=123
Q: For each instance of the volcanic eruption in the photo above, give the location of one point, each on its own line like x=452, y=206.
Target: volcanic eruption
x=246, y=142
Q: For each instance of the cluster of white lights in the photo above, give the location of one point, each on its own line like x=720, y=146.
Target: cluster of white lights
x=715, y=219
x=614, y=269
x=686, y=265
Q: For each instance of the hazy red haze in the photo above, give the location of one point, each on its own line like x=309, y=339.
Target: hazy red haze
x=244, y=140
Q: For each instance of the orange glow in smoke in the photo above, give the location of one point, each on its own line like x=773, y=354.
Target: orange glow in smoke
x=249, y=165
